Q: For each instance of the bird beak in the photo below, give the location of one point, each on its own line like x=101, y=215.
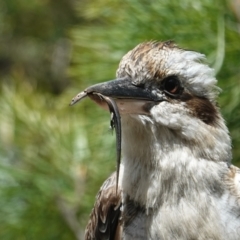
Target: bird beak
x=120, y=96
x=129, y=97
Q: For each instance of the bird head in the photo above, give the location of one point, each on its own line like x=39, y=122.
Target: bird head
x=170, y=91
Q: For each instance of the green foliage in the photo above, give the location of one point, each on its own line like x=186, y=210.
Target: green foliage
x=34, y=41
x=53, y=158
x=45, y=162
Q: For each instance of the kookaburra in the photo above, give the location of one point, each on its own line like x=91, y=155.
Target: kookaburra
x=175, y=180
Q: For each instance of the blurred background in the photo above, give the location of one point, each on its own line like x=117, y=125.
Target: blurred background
x=53, y=158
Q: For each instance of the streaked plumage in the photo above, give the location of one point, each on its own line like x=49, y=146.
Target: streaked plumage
x=176, y=179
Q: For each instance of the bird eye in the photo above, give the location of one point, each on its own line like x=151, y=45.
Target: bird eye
x=172, y=86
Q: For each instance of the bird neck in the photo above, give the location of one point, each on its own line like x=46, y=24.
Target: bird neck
x=159, y=166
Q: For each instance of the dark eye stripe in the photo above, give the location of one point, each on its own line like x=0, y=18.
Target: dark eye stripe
x=201, y=108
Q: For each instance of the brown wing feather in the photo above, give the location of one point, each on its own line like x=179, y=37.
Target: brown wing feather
x=104, y=220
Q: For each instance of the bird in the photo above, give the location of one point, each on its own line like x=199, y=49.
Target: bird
x=175, y=180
